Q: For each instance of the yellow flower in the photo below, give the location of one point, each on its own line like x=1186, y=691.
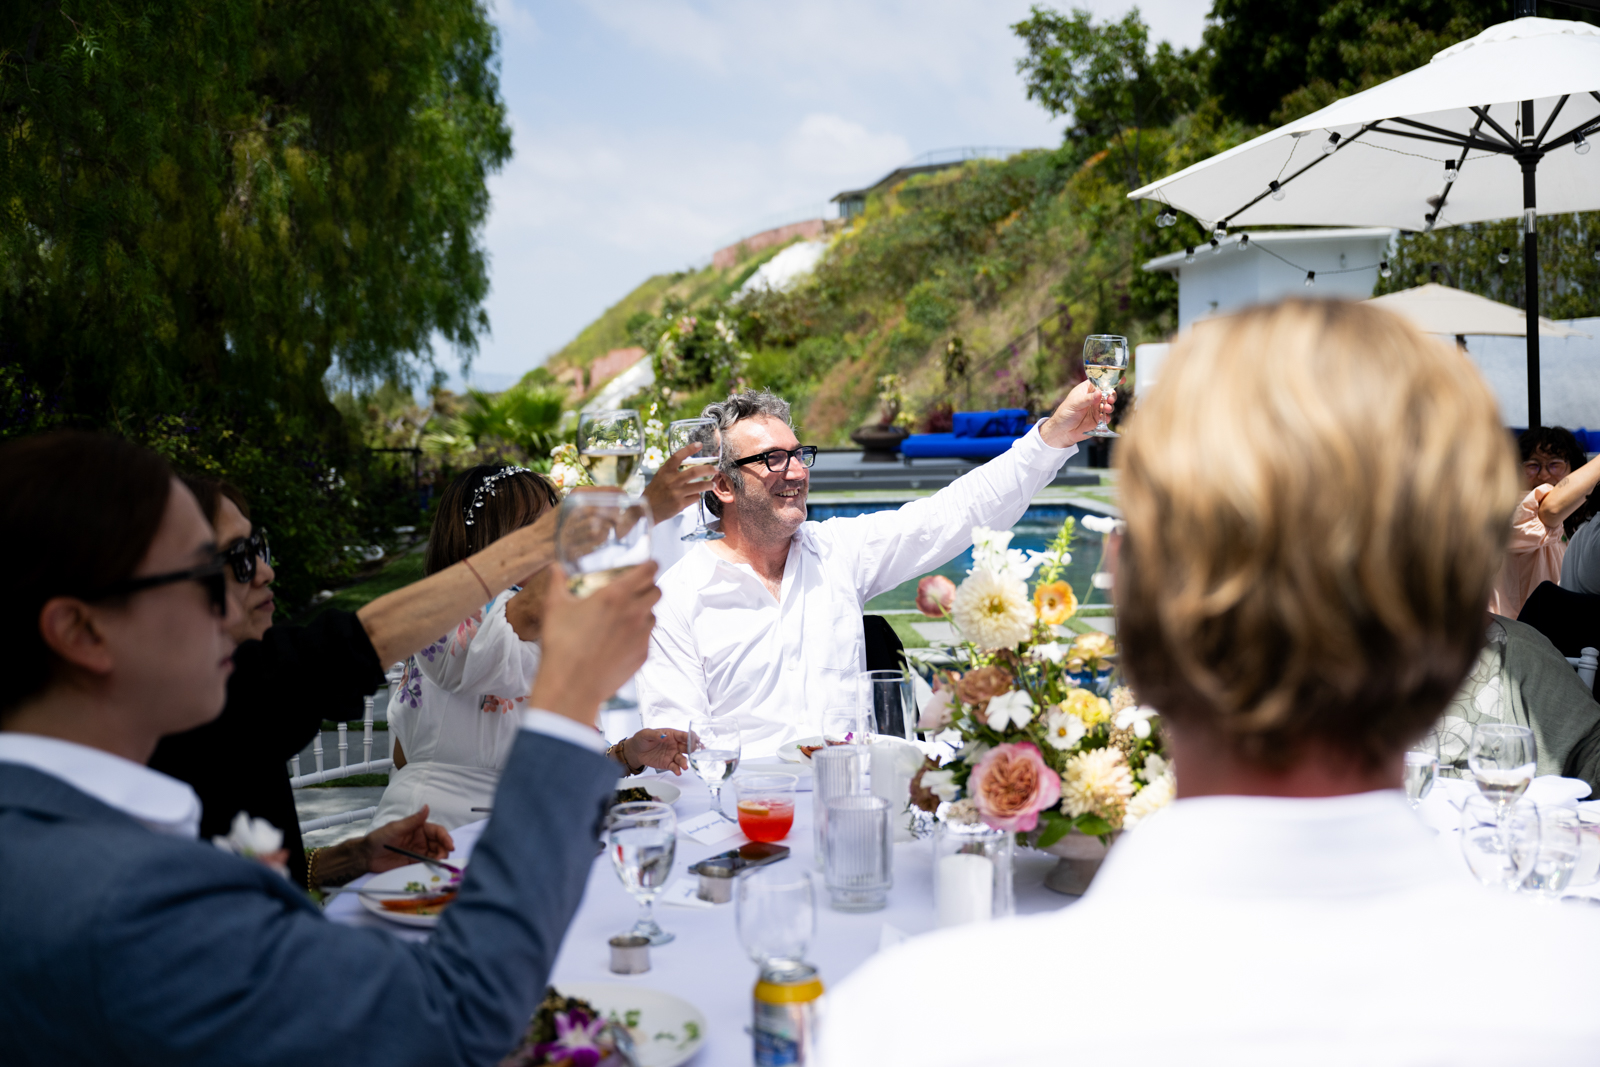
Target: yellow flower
x=1097, y=782
x=1092, y=710
x=1054, y=602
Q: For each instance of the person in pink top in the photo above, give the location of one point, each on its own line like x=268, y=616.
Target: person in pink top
x=1551, y=456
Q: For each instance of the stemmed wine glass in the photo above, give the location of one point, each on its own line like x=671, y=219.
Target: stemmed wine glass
x=600, y=533
x=714, y=748
x=642, y=839
x=1499, y=842
x=776, y=912
x=1105, y=357
x=703, y=432
x=1502, y=758
x=610, y=444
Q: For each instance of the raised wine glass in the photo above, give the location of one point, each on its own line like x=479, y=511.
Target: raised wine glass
x=610, y=444
x=600, y=533
x=714, y=748
x=703, y=432
x=1105, y=357
x=642, y=839
x=1502, y=758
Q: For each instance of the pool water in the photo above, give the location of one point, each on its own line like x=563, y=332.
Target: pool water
x=1035, y=530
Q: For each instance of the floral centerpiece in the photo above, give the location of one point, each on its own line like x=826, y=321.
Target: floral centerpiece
x=1043, y=751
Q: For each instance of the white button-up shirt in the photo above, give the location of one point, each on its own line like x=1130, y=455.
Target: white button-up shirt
x=1241, y=931
x=723, y=646
x=162, y=804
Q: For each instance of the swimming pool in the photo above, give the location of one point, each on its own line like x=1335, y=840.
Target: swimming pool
x=1035, y=530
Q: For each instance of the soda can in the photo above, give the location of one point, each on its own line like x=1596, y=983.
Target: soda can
x=786, y=999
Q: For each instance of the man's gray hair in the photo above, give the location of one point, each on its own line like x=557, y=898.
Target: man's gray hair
x=737, y=408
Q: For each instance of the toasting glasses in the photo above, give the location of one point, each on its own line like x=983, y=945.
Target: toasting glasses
x=610, y=444
x=702, y=432
x=1105, y=357
x=600, y=533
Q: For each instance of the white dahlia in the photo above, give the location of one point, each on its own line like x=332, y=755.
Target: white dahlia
x=1097, y=782
x=1149, y=800
x=993, y=611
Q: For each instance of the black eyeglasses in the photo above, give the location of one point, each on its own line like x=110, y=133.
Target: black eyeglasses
x=210, y=575
x=777, y=459
x=243, y=554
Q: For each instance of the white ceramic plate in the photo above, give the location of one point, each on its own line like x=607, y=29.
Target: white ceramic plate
x=667, y=1030
x=397, y=879
x=790, y=753
x=665, y=792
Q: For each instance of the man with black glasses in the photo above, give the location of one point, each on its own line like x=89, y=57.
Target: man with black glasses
x=765, y=624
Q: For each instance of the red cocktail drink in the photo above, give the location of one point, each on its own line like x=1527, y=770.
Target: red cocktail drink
x=766, y=818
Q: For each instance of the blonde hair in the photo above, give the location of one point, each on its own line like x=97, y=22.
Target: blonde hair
x=1317, y=500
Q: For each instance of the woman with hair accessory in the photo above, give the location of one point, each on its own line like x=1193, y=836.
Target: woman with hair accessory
x=452, y=713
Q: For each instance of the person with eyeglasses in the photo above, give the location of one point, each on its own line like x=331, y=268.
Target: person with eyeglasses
x=765, y=625
x=1559, y=479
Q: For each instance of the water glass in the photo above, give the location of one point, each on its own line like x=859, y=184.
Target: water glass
x=610, y=444
x=972, y=880
x=766, y=805
x=703, y=432
x=1105, y=357
x=847, y=723
x=600, y=533
x=1502, y=759
x=1500, y=846
x=1560, y=845
x=642, y=839
x=1587, y=871
x=775, y=908
x=858, y=860
x=837, y=773
x=1422, y=768
x=887, y=696
x=714, y=749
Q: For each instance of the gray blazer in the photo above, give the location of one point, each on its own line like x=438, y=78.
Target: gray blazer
x=123, y=946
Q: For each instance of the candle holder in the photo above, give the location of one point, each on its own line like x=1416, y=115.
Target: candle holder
x=972, y=873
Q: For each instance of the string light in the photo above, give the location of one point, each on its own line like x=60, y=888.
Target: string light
x=1579, y=145
x=1188, y=254
x=1504, y=257
x=1216, y=246
x=1311, y=278
x=1331, y=145
x=1221, y=230
x=1244, y=242
x=1383, y=268
x=1449, y=173
x=1166, y=218
x=1277, y=190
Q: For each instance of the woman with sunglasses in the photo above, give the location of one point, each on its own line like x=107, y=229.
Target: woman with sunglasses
x=453, y=715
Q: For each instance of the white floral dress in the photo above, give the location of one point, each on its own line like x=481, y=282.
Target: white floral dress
x=454, y=714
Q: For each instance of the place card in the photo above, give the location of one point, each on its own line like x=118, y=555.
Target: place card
x=708, y=828
x=684, y=892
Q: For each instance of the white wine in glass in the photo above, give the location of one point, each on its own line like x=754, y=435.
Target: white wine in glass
x=1105, y=357
x=600, y=534
x=703, y=432
x=609, y=469
x=610, y=444
x=1503, y=759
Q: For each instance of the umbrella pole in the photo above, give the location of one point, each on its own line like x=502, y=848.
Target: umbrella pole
x=1529, y=158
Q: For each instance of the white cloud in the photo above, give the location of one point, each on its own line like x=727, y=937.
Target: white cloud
x=830, y=145
x=512, y=18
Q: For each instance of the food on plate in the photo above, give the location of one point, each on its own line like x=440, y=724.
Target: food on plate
x=564, y=1032
x=807, y=750
x=636, y=794
x=431, y=901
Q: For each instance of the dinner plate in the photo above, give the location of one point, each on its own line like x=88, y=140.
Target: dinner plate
x=667, y=1030
x=396, y=880
x=790, y=753
x=663, y=791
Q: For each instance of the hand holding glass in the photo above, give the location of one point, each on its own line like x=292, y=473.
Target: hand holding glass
x=600, y=533
x=714, y=754
x=610, y=444
x=703, y=432
x=642, y=839
x=1105, y=357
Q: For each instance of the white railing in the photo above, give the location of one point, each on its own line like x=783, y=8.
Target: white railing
x=337, y=820
x=345, y=769
x=1587, y=664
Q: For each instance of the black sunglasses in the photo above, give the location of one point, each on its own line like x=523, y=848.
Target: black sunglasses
x=243, y=554
x=210, y=575
x=777, y=459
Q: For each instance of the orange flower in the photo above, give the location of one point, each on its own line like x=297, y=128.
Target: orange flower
x=1054, y=602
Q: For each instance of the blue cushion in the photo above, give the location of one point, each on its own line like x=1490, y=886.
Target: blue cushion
x=949, y=446
x=1007, y=422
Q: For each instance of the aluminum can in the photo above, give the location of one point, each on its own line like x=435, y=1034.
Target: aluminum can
x=786, y=999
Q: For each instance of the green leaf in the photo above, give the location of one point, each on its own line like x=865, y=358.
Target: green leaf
x=1093, y=825
x=1053, y=827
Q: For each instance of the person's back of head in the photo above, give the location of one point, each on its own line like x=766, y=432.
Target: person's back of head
x=482, y=505
x=1317, y=499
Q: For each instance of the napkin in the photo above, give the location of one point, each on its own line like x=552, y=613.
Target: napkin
x=708, y=828
x=684, y=892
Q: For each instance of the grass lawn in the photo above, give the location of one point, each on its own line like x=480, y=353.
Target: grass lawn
x=355, y=781
x=398, y=572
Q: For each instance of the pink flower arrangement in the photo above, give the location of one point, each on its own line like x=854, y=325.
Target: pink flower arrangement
x=935, y=594
x=1011, y=785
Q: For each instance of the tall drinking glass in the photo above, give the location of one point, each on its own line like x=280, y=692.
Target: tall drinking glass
x=610, y=444
x=1105, y=357
x=858, y=859
x=776, y=911
x=838, y=772
x=702, y=432
x=1502, y=759
x=1500, y=845
x=1560, y=844
x=642, y=839
x=599, y=534
x=888, y=697
x=714, y=749
x=1422, y=767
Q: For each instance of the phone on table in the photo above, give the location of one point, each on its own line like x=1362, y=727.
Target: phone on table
x=752, y=854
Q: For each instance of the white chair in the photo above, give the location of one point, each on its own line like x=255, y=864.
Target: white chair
x=1587, y=663
x=345, y=768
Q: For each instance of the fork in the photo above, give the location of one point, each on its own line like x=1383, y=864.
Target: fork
x=440, y=864
x=622, y=1041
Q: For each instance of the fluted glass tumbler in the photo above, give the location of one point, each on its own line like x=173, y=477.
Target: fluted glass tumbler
x=859, y=864
x=837, y=773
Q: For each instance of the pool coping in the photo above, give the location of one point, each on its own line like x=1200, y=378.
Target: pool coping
x=903, y=496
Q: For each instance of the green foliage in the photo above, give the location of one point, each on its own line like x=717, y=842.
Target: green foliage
x=1467, y=257
x=693, y=350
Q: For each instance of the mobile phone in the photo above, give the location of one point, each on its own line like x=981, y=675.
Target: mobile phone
x=750, y=854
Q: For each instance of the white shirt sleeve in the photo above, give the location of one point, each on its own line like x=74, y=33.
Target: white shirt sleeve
x=890, y=547
x=482, y=655
x=672, y=682
x=562, y=728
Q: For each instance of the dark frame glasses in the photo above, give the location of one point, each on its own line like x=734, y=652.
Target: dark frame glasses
x=243, y=554
x=212, y=576
x=806, y=454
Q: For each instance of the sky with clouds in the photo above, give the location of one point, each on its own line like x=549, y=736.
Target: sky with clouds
x=648, y=133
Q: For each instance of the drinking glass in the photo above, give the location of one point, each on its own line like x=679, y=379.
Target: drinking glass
x=600, y=533
x=972, y=876
x=887, y=696
x=858, y=863
x=1500, y=845
x=775, y=908
x=837, y=773
x=1422, y=767
x=642, y=839
x=703, y=432
x=766, y=805
x=610, y=444
x=714, y=748
x=1555, y=859
x=1502, y=759
x=1105, y=357
x=1587, y=871
x=847, y=724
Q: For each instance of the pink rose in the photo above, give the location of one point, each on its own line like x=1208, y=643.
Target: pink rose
x=935, y=594
x=1011, y=785
x=937, y=712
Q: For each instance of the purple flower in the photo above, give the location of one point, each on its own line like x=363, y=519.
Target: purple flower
x=575, y=1040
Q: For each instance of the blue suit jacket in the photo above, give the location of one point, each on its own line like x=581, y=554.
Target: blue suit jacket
x=123, y=946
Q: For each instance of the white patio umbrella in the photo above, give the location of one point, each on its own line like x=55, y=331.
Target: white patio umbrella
x=1435, y=308
x=1498, y=120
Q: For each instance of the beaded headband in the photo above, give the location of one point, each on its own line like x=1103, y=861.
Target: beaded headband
x=487, y=489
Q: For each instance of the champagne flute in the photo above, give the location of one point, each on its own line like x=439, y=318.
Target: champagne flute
x=703, y=432
x=714, y=748
x=610, y=444
x=775, y=909
x=600, y=533
x=1105, y=357
x=642, y=839
x=1502, y=758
